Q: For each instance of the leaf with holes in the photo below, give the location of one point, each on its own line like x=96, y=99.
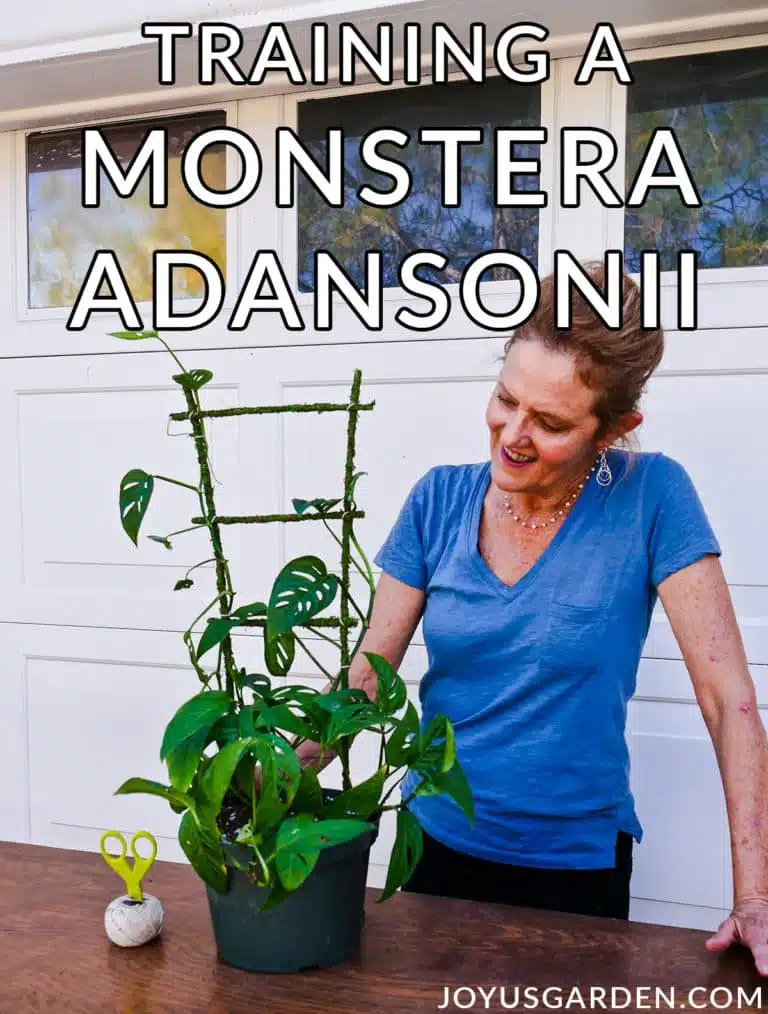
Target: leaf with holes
x=193, y=380
x=253, y=609
x=279, y=652
x=302, y=589
x=402, y=747
x=361, y=800
x=135, y=493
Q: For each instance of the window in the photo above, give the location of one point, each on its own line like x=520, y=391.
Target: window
x=419, y=222
x=62, y=235
x=717, y=104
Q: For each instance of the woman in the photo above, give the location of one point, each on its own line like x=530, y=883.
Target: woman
x=535, y=574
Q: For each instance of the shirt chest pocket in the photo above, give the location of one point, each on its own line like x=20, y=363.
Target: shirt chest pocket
x=575, y=639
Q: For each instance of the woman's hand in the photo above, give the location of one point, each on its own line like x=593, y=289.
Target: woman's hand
x=747, y=924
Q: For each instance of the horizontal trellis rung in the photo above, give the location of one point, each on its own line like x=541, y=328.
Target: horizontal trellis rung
x=256, y=518
x=218, y=413
x=323, y=621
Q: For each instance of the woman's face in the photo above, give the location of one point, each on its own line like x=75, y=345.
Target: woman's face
x=542, y=411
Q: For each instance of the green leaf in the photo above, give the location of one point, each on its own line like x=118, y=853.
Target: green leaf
x=453, y=783
x=257, y=682
x=391, y=691
x=296, y=694
x=163, y=540
x=302, y=589
x=437, y=747
x=193, y=380
x=133, y=335
x=185, y=582
x=309, y=796
x=226, y=729
x=407, y=850
x=218, y=776
x=217, y=630
x=280, y=778
x=184, y=761
x=280, y=716
x=135, y=493
x=293, y=867
x=202, y=846
x=276, y=896
x=196, y=715
x=254, y=609
x=297, y=835
x=321, y=506
x=145, y=785
x=402, y=746
x=279, y=652
x=360, y=801
x=349, y=721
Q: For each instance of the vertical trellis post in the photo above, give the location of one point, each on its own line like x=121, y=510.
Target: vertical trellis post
x=346, y=525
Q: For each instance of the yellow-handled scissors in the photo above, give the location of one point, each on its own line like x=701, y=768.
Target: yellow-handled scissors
x=131, y=874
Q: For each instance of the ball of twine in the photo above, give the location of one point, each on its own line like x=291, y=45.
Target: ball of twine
x=130, y=923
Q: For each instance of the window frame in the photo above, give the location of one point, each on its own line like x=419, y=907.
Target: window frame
x=711, y=281
x=23, y=311
x=289, y=226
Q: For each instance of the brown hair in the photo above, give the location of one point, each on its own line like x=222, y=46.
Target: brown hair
x=615, y=364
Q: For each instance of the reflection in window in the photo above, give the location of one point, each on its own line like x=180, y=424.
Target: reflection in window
x=63, y=235
x=717, y=104
x=420, y=222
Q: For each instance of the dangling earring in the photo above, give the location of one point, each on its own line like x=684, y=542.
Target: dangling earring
x=604, y=475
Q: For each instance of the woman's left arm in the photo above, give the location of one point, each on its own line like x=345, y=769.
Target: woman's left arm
x=698, y=604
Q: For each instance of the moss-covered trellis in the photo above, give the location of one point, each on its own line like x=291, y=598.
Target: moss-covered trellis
x=316, y=510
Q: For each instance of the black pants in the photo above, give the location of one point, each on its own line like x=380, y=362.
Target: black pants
x=443, y=871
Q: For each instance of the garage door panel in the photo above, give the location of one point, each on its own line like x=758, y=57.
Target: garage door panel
x=668, y=679
x=712, y=424
x=680, y=803
x=661, y=641
x=76, y=429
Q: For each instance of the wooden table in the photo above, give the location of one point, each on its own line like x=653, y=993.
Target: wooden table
x=418, y=954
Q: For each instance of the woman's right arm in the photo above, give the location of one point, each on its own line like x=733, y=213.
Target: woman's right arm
x=397, y=609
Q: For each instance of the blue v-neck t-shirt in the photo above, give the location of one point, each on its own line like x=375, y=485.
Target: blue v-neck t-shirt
x=536, y=676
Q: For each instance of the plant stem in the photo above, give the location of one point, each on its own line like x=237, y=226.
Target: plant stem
x=182, y=531
x=184, y=485
x=211, y=559
x=352, y=559
x=173, y=354
x=318, y=664
x=325, y=637
x=190, y=646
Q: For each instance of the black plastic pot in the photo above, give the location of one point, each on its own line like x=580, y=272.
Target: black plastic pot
x=317, y=925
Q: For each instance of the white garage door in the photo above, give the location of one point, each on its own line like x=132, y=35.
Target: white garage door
x=92, y=658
